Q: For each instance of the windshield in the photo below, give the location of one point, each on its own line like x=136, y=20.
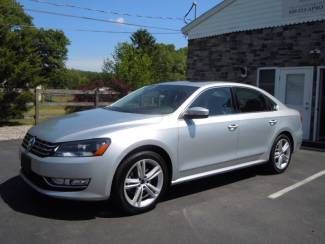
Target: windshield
x=154, y=99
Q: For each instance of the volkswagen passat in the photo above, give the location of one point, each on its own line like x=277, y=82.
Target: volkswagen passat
x=156, y=136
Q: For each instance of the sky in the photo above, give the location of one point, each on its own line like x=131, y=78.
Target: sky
x=87, y=50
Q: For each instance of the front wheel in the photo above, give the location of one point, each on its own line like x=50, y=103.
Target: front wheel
x=280, y=154
x=140, y=182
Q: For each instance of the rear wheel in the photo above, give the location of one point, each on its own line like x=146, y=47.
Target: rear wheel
x=140, y=182
x=280, y=154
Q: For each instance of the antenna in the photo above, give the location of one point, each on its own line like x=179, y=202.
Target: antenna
x=194, y=6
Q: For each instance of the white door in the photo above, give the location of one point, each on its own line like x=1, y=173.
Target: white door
x=295, y=90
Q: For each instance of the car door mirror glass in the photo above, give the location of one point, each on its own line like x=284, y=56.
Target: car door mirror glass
x=196, y=113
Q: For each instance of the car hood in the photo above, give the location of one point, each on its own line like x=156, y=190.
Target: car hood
x=89, y=124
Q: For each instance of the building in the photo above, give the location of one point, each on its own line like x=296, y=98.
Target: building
x=278, y=45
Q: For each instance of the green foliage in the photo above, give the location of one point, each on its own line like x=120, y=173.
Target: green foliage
x=14, y=103
x=168, y=63
x=28, y=57
x=109, y=66
x=70, y=79
x=132, y=65
x=144, y=62
x=52, y=49
x=74, y=79
x=142, y=39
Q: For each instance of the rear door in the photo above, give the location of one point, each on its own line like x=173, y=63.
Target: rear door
x=207, y=143
x=257, y=123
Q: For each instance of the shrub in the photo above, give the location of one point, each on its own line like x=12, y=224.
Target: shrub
x=14, y=103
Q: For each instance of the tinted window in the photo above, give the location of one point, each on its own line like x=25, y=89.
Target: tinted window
x=250, y=101
x=154, y=99
x=272, y=106
x=267, y=80
x=217, y=100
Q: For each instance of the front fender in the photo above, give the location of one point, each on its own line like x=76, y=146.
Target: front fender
x=124, y=143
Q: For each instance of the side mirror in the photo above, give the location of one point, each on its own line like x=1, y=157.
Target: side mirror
x=196, y=113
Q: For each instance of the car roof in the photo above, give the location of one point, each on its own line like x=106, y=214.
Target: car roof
x=201, y=84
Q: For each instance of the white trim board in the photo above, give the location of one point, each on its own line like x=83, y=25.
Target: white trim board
x=317, y=100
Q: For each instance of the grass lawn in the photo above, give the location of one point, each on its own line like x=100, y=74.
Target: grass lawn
x=45, y=112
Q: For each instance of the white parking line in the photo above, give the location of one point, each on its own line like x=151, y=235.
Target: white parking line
x=295, y=186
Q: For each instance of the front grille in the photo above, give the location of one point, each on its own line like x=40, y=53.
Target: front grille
x=40, y=147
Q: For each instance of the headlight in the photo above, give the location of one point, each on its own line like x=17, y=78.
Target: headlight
x=85, y=148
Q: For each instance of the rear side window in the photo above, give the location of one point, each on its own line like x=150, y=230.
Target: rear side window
x=217, y=100
x=250, y=101
x=272, y=105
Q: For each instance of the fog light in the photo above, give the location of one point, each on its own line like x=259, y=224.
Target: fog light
x=79, y=182
x=68, y=182
x=57, y=181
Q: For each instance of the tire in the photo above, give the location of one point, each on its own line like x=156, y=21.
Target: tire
x=280, y=155
x=135, y=191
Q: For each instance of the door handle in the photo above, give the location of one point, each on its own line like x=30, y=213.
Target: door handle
x=232, y=127
x=273, y=122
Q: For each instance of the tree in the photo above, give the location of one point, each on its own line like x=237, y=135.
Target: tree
x=142, y=39
x=109, y=66
x=145, y=62
x=28, y=57
x=169, y=63
x=132, y=65
x=52, y=49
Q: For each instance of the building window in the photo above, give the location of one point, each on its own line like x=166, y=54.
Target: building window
x=295, y=95
x=267, y=80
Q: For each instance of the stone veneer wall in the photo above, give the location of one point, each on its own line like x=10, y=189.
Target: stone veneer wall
x=221, y=57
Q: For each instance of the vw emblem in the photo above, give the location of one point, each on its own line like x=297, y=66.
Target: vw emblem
x=30, y=143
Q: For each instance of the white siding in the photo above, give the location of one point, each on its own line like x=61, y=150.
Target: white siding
x=242, y=15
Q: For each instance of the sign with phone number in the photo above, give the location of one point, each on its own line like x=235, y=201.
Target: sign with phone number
x=300, y=8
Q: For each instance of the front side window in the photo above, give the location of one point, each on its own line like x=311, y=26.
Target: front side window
x=217, y=100
x=154, y=99
x=250, y=101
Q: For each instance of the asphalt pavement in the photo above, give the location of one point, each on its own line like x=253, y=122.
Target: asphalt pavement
x=228, y=208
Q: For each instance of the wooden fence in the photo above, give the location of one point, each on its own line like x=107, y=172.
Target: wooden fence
x=40, y=94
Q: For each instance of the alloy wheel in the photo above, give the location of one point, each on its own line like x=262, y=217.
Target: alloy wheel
x=282, y=153
x=143, y=183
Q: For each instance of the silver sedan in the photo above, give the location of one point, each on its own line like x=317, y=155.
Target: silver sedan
x=156, y=136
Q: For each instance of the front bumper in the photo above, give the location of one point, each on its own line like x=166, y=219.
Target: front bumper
x=94, y=168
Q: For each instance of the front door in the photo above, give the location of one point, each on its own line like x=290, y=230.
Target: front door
x=295, y=90
x=207, y=144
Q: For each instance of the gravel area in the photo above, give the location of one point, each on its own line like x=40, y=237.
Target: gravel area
x=13, y=132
